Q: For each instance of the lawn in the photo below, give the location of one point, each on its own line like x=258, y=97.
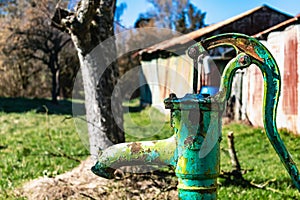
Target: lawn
x=35, y=143
x=257, y=156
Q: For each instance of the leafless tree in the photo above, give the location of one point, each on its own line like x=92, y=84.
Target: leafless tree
x=91, y=29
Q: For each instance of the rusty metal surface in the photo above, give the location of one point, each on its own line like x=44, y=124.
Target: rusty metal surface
x=285, y=47
x=290, y=78
x=160, y=153
x=255, y=96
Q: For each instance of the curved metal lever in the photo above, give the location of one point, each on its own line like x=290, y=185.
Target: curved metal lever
x=260, y=56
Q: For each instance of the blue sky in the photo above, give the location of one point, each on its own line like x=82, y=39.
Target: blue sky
x=216, y=10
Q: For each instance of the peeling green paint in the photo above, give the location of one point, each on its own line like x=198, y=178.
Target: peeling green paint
x=194, y=149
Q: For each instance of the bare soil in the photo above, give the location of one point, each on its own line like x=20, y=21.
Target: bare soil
x=81, y=183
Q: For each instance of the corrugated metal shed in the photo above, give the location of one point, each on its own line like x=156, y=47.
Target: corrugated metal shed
x=285, y=48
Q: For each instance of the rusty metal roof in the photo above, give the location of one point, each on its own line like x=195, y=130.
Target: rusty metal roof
x=279, y=27
x=193, y=36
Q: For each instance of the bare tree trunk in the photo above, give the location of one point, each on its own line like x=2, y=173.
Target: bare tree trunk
x=55, y=72
x=90, y=26
x=97, y=137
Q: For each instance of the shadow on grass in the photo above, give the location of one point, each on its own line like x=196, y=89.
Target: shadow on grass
x=132, y=109
x=64, y=107
x=21, y=105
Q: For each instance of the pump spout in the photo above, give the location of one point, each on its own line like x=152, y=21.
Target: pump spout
x=159, y=153
x=260, y=56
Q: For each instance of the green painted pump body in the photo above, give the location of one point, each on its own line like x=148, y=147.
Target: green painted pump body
x=197, y=128
x=194, y=149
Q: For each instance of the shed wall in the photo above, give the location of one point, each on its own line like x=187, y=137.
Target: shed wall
x=285, y=48
x=165, y=76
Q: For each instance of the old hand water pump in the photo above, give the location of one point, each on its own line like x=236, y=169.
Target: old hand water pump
x=194, y=149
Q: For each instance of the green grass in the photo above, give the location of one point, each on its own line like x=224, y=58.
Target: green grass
x=145, y=124
x=34, y=144
x=148, y=124
x=256, y=154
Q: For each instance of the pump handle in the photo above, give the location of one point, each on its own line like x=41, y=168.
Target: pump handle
x=262, y=57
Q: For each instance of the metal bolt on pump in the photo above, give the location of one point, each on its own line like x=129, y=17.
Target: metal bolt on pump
x=194, y=149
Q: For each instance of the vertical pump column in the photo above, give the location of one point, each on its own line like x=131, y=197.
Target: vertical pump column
x=197, y=127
